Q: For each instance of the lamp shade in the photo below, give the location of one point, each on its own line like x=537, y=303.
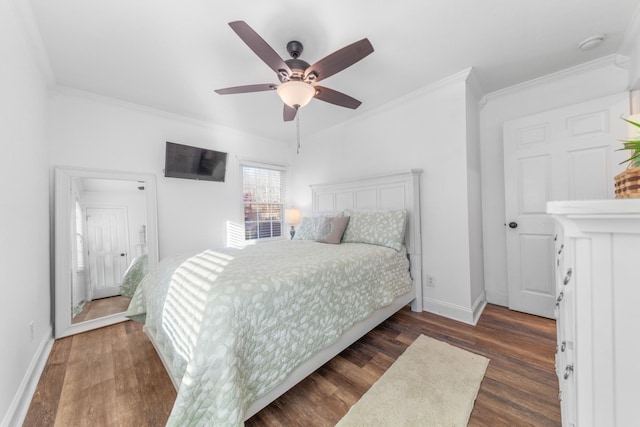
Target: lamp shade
x=295, y=93
x=292, y=216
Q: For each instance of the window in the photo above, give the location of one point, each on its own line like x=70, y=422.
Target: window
x=263, y=192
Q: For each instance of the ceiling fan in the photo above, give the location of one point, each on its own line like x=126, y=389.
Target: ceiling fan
x=297, y=78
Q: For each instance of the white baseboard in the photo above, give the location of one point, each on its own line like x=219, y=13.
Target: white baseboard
x=468, y=315
x=497, y=298
x=478, y=307
x=20, y=405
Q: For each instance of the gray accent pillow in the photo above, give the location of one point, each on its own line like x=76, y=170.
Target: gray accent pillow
x=332, y=229
x=383, y=228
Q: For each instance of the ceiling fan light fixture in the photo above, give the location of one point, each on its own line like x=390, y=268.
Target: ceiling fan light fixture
x=295, y=93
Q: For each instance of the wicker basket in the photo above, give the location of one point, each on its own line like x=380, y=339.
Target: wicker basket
x=628, y=184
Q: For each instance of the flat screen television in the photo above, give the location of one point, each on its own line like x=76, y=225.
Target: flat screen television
x=183, y=161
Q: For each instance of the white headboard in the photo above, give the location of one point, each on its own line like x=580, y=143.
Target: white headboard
x=389, y=191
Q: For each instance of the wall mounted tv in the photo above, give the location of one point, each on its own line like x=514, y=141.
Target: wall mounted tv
x=183, y=161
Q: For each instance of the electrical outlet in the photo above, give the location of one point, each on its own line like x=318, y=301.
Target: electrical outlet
x=32, y=329
x=431, y=281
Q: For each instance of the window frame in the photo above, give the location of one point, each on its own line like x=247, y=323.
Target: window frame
x=283, y=170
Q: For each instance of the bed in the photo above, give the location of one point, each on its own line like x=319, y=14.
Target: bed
x=237, y=328
x=133, y=275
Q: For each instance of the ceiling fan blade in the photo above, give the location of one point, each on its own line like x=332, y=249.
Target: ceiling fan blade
x=334, y=97
x=340, y=59
x=289, y=113
x=246, y=89
x=260, y=47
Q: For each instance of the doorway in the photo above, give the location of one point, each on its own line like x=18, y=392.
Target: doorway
x=563, y=154
x=107, y=244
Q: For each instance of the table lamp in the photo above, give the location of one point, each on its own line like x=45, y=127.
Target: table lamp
x=292, y=217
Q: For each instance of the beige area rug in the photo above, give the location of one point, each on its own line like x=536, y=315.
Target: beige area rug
x=432, y=384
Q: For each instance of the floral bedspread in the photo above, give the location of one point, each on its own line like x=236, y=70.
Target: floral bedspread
x=134, y=274
x=232, y=324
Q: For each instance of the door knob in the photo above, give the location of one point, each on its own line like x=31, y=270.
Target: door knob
x=123, y=254
x=513, y=224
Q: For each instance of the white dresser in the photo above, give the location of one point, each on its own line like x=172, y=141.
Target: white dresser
x=597, y=249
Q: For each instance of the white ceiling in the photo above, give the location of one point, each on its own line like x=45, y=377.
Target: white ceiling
x=171, y=55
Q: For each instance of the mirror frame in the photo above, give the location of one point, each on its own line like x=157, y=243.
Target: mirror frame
x=62, y=246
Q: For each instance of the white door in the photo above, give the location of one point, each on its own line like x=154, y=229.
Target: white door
x=107, y=245
x=564, y=154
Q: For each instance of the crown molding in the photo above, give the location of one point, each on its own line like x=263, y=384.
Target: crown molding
x=31, y=33
x=459, y=77
x=606, y=61
x=82, y=94
x=621, y=61
x=476, y=89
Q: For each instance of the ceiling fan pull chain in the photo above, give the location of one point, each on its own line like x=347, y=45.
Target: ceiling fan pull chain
x=298, y=130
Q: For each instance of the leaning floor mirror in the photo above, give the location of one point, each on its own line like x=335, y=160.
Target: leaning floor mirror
x=106, y=240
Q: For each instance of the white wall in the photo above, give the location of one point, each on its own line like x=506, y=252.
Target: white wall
x=425, y=130
x=631, y=48
x=24, y=216
x=590, y=81
x=474, y=194
x=92, y=132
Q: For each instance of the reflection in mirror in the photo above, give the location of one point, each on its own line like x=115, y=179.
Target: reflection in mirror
x=109, y=250
x=106, y=241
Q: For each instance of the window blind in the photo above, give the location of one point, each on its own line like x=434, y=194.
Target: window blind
x=263, y=194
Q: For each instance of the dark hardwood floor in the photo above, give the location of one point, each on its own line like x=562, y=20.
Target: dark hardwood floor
x=102, y=307
x=113, y=377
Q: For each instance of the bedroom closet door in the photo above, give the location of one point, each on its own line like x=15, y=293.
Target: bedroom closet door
x=564, y=154
x=107, y=244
